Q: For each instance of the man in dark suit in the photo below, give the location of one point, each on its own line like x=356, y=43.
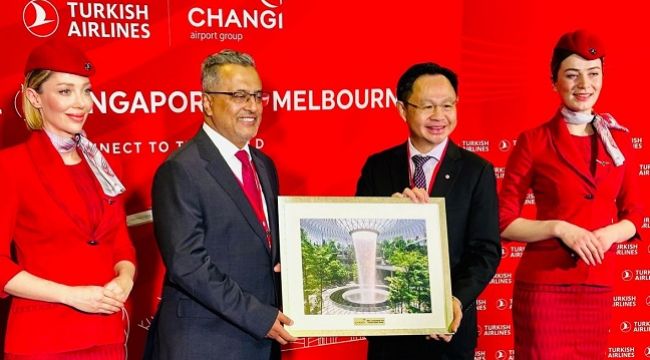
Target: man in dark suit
x=215, y=220
x=430, y=164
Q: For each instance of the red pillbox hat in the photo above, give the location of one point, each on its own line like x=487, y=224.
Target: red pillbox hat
x=59, y=55
x=580, y=42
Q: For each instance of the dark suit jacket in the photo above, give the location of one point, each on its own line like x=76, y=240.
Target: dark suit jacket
x=220, y=294
x=468, y=184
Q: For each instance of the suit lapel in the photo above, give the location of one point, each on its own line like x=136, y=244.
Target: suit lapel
x=57, y=180
x=220, y=171
x=449, y=168
x=269, y=196
x=399, y=169
x=567, y=151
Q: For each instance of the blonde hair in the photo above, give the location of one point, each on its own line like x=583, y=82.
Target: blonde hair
x=34, y=79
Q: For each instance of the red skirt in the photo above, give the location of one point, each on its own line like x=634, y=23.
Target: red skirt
x=103, y=352
x=561, y=321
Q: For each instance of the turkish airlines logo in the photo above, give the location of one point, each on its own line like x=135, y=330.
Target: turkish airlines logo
x=40, y=18
x=500, y=355
x=272, y=4
x=646, y=352
x=647, y=300
x=627, y=275
x=626, y=326
x=502, y=304
x=504, y=145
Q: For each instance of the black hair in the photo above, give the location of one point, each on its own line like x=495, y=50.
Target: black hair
x=406, y=81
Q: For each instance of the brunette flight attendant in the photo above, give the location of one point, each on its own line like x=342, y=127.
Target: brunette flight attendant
x=62, y=210
x=580, y=169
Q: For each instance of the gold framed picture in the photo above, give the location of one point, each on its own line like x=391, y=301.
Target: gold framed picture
x=364, y=266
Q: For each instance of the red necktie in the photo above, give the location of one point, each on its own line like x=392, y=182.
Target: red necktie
x=252, y=190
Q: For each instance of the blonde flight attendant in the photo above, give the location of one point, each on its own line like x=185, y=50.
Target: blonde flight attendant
x=62, y=211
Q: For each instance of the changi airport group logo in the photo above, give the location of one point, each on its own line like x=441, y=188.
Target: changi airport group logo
x=40, y=18
x=227, y=24
x=89, y=19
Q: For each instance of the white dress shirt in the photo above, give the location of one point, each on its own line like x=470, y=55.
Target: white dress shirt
x=228, y=151
x=429, y=166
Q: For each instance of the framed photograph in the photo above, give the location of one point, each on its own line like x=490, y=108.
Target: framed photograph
x=355, y=266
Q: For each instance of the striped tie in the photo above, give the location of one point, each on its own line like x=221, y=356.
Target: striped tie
x=419, y=179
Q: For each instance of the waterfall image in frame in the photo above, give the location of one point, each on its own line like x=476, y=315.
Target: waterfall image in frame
x=369, y=266
x=364, y=266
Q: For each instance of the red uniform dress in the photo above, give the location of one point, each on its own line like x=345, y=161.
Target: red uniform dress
x=62, y=235
x=561, y=305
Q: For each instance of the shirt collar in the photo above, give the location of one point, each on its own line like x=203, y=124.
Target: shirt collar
x=226, y=148
x=436, y=152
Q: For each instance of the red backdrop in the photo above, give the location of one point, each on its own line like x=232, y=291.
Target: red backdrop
x=332, y=67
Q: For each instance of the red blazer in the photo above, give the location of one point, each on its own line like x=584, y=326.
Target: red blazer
x=44, y=215
x=546, y=160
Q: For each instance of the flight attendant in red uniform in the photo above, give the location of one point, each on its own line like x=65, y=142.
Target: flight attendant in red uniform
x=61, y=209
x=580, y=169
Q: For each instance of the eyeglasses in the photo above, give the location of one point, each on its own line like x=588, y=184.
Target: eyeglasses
x=242, y=97
x=426, y=110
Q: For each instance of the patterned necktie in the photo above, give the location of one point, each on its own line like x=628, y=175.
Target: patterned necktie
x=252, y=191
x=419, y=179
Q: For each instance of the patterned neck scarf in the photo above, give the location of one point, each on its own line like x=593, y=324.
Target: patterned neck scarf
x=111, y=185
x=602, y=123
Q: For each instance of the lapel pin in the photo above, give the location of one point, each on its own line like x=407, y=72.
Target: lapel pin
x=447, y=176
